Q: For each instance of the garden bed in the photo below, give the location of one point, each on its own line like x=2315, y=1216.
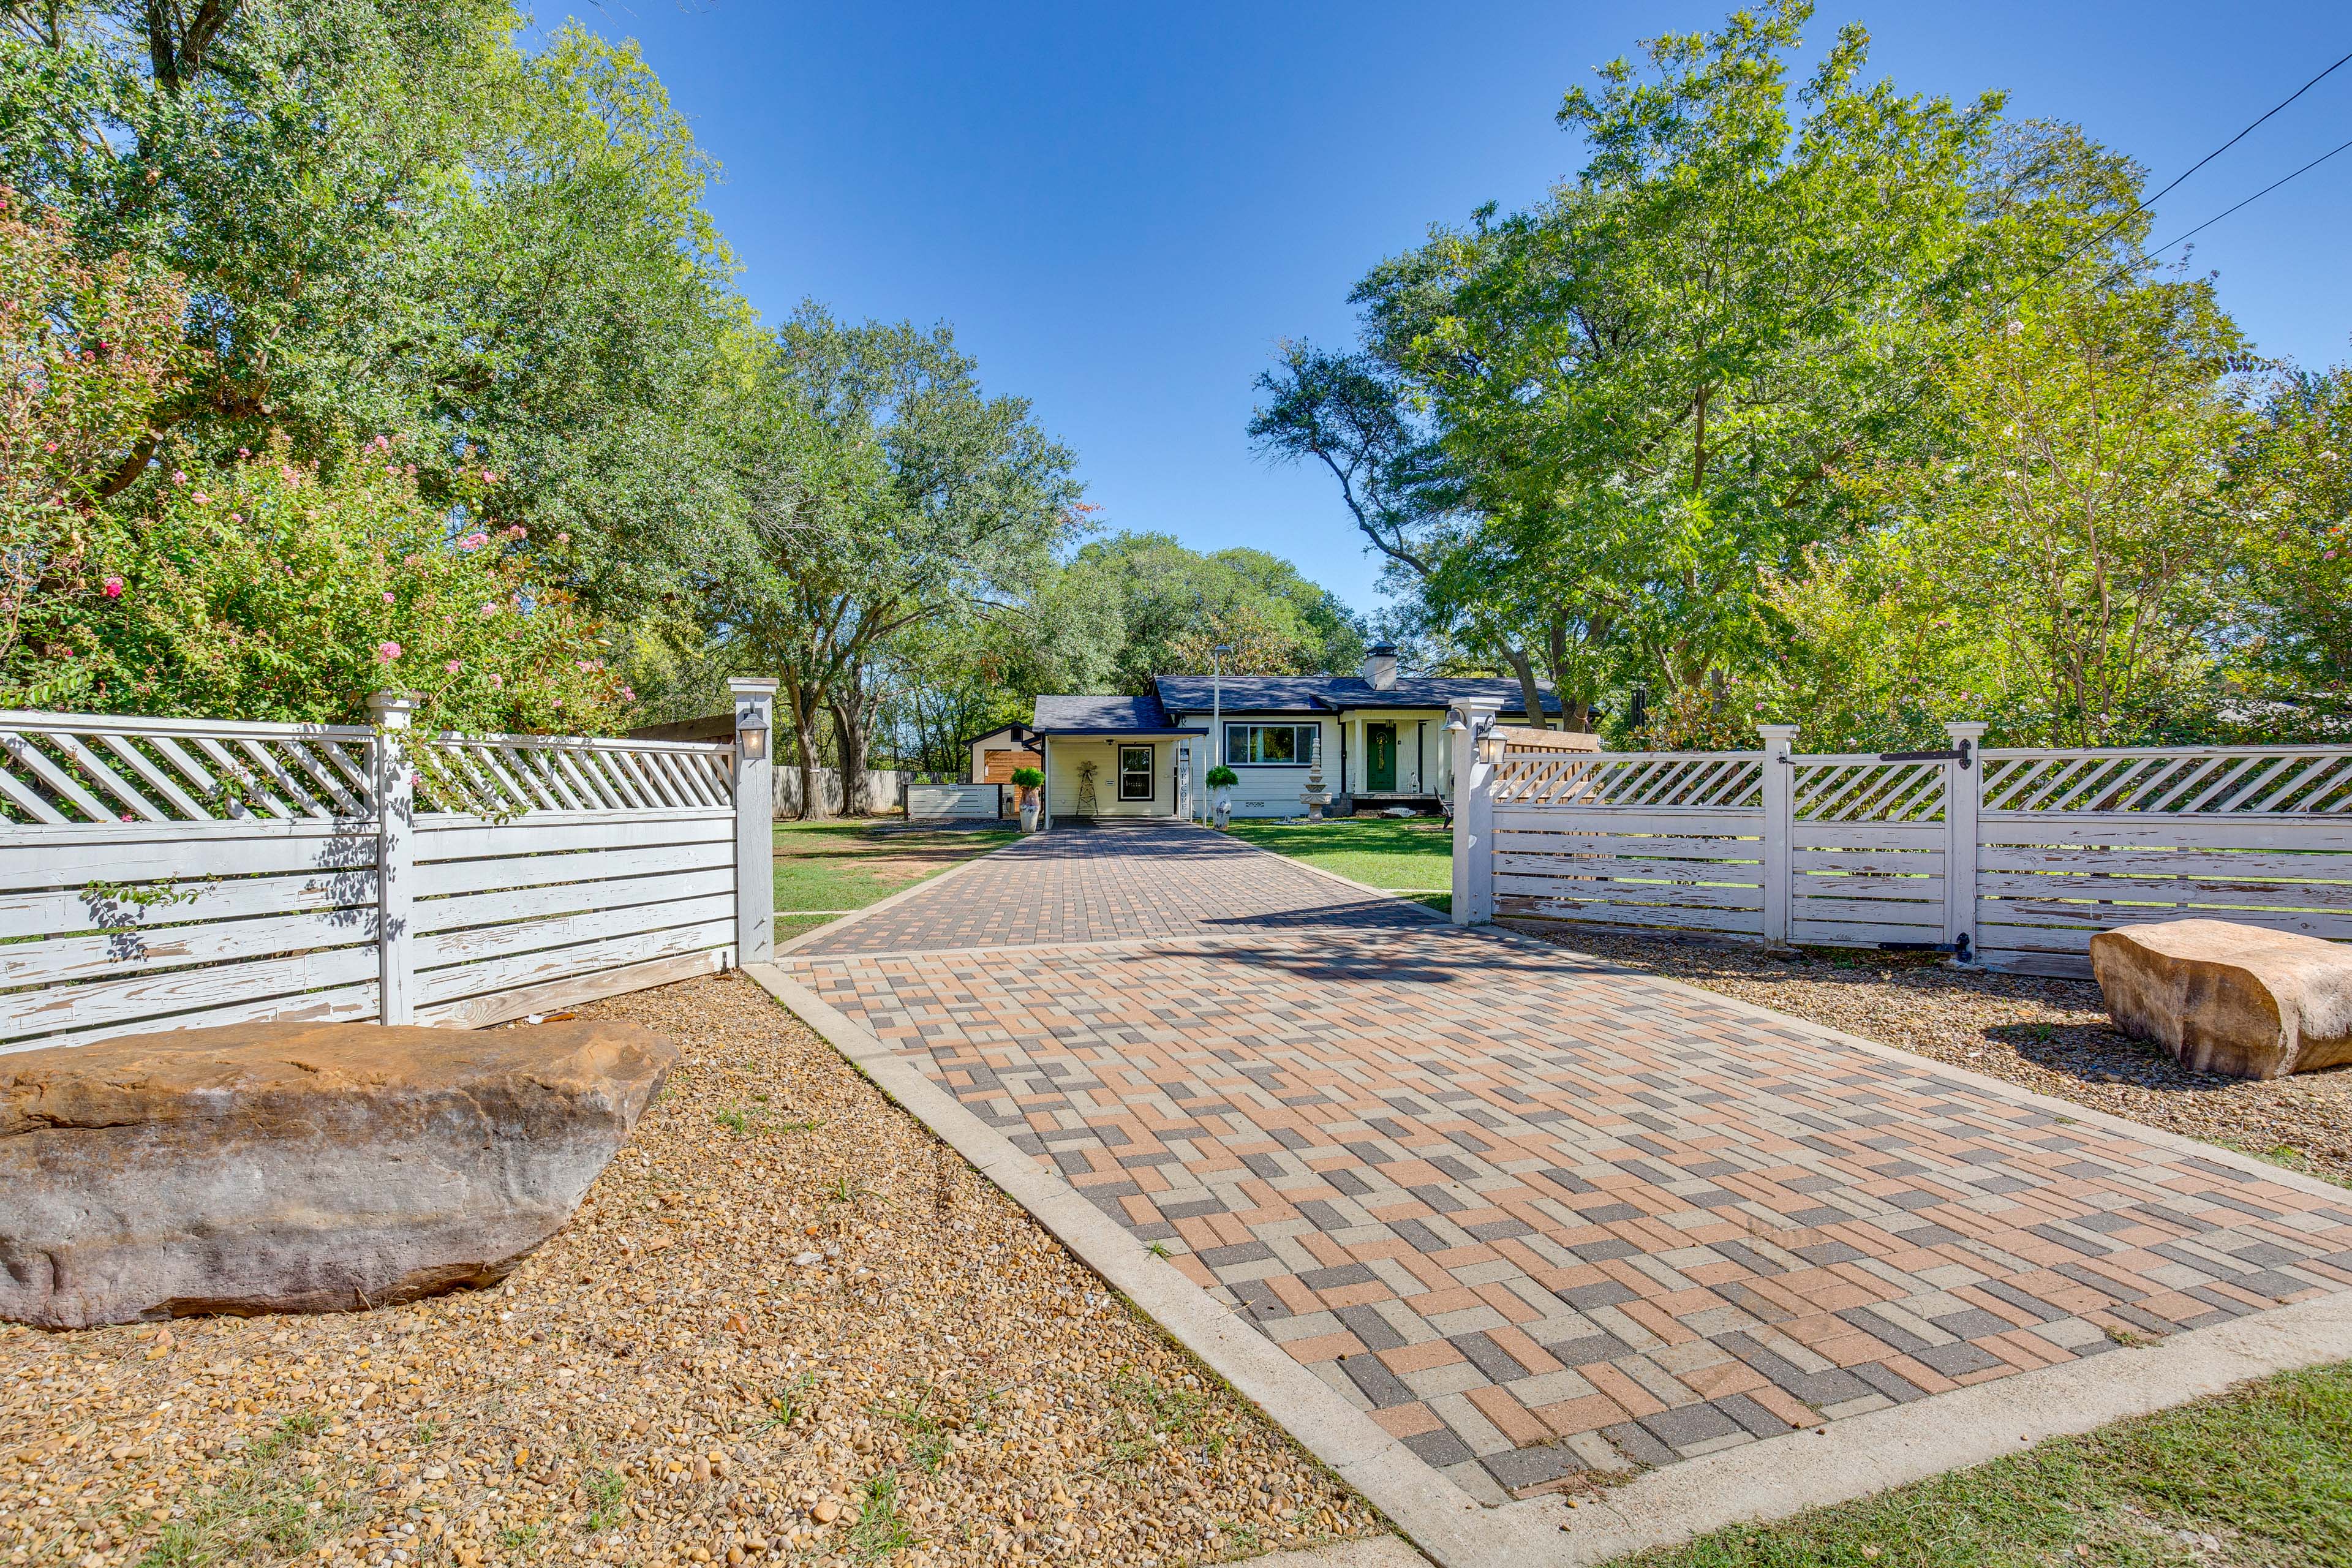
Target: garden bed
x=786, y=1325
x=2052, y=1037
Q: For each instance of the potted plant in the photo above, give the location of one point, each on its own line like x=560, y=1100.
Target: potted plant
x=1028, y=781
x=1222, y=779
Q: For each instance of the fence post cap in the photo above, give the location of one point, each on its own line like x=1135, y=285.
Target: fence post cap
x=1965, y=728
x=395, y=706
x=1777, y=731
x=751, y=685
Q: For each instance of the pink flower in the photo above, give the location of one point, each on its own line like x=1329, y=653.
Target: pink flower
x=489, y=609
x=244, y=452
x=178, y=478
x=497, y=682
x=390, y=597
x=628, y=694
x=563, y=538
x=200, y=498
x=111, y=587
x=489, y=478
x=236, y=517
x=52, y=446
x=453, y=666
x=474, y=540
x=386, y=652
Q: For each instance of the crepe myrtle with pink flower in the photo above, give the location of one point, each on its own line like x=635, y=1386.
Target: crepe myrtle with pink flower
x=275, y=589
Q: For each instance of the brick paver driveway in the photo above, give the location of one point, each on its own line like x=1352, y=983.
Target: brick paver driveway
x=1531, y=1213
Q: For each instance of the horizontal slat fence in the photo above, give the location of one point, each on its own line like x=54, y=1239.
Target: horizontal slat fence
x=2014, y=858
x=161, y=874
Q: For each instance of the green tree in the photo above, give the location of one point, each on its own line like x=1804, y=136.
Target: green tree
x=1165, y=607
x=2297, y=641
x=391, y=221
x=883, y=487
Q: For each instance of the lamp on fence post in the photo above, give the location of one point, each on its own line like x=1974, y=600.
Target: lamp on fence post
x=1470, y=726
x=755, y=813
x=395, y=856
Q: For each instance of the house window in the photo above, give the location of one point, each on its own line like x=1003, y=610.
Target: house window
x=1271, y=745
x=1135, y=773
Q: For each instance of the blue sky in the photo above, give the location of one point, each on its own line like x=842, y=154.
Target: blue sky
x=1124, y=209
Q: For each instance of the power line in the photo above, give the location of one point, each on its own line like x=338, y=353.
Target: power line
x=2258, y=195
x=2140, y=205
x=2241, y=135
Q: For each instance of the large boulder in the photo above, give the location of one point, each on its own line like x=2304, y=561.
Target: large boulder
x=298, y=1167
x=2228, y=998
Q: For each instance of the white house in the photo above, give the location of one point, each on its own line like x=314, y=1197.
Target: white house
x=1380, y=737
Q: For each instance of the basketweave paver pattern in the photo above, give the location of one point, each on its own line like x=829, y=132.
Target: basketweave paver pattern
x=1111, y=884
x=1525, y=1211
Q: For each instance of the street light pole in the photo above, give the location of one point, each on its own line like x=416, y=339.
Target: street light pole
x=1217, y=703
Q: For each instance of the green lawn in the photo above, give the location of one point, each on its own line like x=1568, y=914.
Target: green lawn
x=827, y=867
x=2265, y=1472
x=1414, y=856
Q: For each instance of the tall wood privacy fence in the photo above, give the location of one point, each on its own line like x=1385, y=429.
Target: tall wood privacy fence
x=160, y=874
x=2014, y=858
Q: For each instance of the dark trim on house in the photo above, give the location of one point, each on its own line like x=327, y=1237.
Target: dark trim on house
x=1108, y=734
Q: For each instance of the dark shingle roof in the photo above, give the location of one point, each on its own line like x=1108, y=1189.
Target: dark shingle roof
x=1128, y=715
x=1306, y=693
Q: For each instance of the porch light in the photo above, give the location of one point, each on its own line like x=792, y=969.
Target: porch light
x=753, y=740
x=1491, y=744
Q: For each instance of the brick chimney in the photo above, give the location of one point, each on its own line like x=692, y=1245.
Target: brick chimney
x=1380, y=666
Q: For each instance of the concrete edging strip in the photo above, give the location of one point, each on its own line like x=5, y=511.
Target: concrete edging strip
x=1905, y=1443
x=1438, y=1516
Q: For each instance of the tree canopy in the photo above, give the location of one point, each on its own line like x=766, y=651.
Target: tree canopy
x=1786, y=360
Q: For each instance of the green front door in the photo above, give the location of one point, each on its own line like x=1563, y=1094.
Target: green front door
x=1379, y=758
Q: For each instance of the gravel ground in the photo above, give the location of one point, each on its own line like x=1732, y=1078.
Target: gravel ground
x=787, y=1325
x=2049, y=1036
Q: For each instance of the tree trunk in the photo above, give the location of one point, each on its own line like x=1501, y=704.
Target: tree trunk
x=1529, y=692
x=849, y=743
x=803, y=702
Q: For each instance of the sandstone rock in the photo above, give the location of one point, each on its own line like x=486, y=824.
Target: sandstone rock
x=298, y=1167
x=2230, y=998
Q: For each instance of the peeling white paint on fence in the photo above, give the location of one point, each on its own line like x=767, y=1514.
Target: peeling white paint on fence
x=159, y=874
x=2015, y=857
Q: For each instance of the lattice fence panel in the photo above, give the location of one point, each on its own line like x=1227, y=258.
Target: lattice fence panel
x=2234, y=781
x=83, y=770
x=508, y=776
x=1717, y=781
x=1855, y=789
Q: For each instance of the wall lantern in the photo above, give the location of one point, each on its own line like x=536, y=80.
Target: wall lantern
x=753, y=740
x=1491, y=743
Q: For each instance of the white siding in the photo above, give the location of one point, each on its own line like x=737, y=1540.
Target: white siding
x=1062, y=762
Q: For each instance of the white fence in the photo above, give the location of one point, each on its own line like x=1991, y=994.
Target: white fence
x=159, y=874
x=2014, y=857
x=934, y=801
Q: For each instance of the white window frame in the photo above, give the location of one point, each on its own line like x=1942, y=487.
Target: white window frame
x=1236, y=756
x=1149, y=773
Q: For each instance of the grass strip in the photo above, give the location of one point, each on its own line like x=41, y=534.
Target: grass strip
x=2257, y=1478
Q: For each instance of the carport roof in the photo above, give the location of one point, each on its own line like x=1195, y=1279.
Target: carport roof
x=1105, y=716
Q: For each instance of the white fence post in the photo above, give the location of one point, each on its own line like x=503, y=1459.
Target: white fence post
x=395, y=856
x=1963, y=796
x=1470, y=723
x=755, y=832
x=1780, y=813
